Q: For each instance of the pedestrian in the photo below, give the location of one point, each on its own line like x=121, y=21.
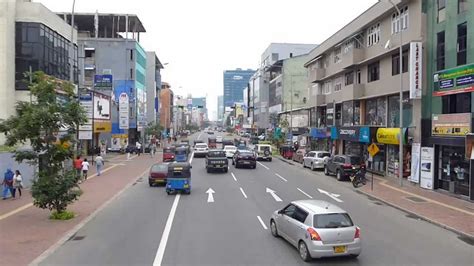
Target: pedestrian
x=85, y=168
x=99, y=162
x=152, y=150
x=17, y=183
x=7, y=184
x=78, y=165
x=139, y=148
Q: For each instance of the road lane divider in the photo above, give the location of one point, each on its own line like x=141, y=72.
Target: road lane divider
x=166, y=232
x=233, y=176
x=262, y=223
x=274, y=195
x=243, y=192
x=210, y=196
x=331, y=195
x=191, y=158
x=264, y=166
x=304, y=193
x=281, y=177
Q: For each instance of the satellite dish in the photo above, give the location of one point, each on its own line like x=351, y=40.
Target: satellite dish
x=387, y=44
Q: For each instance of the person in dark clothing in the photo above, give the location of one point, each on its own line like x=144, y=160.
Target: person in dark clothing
x=8, y=183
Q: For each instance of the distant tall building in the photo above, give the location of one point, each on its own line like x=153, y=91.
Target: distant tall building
x=200, y=103
x=234, y=83
x=220, y=108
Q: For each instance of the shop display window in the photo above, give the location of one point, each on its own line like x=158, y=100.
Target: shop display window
x=454, y=170
x=376, y=111
x=394, y=111
x=377, y=164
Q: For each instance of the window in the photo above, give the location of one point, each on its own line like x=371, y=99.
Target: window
x=463, y=6
x=373, y=72
x=300, y=215
x=375, y=111
x=332, y=220
x=441, y=10
x=289, y=210
x=349, y=78
x=337, y=55
x=440, y=51
x=358, y=76
x=131, y=55
x=337, y=84
x=373, y=35
x=351, y=113
x=457, y=103
x=131, y=73
x=400, y=21
x=462, y=44
x=347, y=46
x=396, y=63
x=327, y=87
x=394, y=111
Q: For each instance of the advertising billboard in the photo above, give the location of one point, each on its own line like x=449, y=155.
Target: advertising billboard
x=453, y=81
x=101, y=106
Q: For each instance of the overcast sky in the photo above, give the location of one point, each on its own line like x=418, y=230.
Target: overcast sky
x=202, y=38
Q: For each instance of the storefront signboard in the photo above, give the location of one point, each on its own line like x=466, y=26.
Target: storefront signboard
x=318, y=133
x=124, y=106
x=416, y=53
x=103, y=81
x=427, y=167
x=415, y=163
x=357, y=134
x=390, y=136
x=102, y=127
x=451, y=124
x=453, y=81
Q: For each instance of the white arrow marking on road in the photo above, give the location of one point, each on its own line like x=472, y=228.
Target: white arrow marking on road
x=262, y=223
x=233, y=176
x=243, y=193
x=331, y=195
x=272, y=192
x=281, y=177
x=264, y=166
x=306, y=194
x=210, y=197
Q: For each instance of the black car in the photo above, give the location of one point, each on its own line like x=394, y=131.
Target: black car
x=227, y=142
x=343, y=166
x=216, y=160
x=244, y=158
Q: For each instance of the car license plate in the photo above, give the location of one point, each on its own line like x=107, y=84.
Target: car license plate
x=339, y=249
x=246, y=162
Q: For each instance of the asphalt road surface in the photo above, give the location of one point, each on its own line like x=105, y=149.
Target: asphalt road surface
x=145, y=226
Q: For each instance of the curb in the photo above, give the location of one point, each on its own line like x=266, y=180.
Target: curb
x=78, y=227
x=431, y=221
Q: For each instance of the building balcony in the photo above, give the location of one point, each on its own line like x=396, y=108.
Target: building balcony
x=316, y=74
x=320, y=99
x=352, y=92
x=352, y=57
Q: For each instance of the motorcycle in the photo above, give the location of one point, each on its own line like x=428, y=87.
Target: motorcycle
x=358, y=178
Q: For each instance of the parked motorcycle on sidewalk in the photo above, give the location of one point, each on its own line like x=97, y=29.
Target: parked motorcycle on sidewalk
x=358, y=178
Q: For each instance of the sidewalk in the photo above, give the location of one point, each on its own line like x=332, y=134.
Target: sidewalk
x=26, y=231
x=448, y=212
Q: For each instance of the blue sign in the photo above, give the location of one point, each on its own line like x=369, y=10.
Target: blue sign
x=364, y=134
x=103, y=81
x=334, y=134
x=357, y=134
x=318, y=133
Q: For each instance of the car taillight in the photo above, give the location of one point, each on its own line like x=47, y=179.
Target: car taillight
x=347, y=165
x=357, y=233
x=313, y=234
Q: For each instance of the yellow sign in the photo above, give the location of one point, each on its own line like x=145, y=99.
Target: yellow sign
x=102, y=127
x=120, y=136
x=451, y=124
x=373, y=149
x=388, y=135
x=454, y=130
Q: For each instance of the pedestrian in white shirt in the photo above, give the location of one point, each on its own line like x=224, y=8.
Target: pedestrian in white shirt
x=139, y=148
x=99, y=163
x=85, y=168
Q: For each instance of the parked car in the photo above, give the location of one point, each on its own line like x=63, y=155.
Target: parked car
x=230, y=150
x=216, y=160
x=343, y=166
x=227, y=142
x=299, y=154
x=244, y=158
x=200, y=150
x=158, y=173
x=317, y=229
x=316, y=159
x=263, y=151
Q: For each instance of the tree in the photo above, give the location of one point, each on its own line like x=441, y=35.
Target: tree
x=48, y=125
x=154, y=129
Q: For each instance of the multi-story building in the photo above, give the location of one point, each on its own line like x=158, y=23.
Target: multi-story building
x=355, y=77
x=113, y=65
x=448, y=103
x=30, y=34
x=220, y=108
x=234, y=83
x=199, y=103
x=166, y=107
x=153, y=86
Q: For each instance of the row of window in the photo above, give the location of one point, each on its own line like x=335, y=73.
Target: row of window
x=461, y=47
x=463, y=6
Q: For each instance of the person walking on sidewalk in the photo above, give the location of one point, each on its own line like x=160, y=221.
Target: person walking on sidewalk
x=78, y=165
x=152, y=150
x=99, y=163
x=17, y=183
x=8, y=184
x=85, y=168
x=139, y=148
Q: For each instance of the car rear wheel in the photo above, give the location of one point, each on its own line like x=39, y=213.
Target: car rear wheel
x=303, y=250
x=312, y=167
x=226, y=170
x=273, y=228
x=338, y=175
x=208, y=170
x=236, y=165
x=326, y=171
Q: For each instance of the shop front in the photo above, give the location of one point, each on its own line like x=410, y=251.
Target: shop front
x=351, y=140
x=388, y=140
x=453, y=162
x=319, y=139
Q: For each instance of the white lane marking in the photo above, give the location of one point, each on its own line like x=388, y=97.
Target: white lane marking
x=281, y=177
x=274, y=195
x=233, y=176
x=331, y=195
x=306, y=194
x=210, y=197
x=199, y=137
x=262, y=223
x=264, y=166
x=166, y=232
x=191, y=159
x=243, y=193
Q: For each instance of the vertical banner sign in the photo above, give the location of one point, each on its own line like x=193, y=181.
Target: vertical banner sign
x=124, y=106
x=85, y=100
x=416, y=53
x=427, y=165
x=415, y=163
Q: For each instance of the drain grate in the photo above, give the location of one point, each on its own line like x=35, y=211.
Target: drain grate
x=378, y=203
x=77, y=238
x=468, y=240
x=412, y=216
x=415, y=199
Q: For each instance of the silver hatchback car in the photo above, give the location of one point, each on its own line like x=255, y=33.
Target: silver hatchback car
x=317, y=228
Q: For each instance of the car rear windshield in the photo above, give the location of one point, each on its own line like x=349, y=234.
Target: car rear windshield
x=201, y=146
x=159, y=168
x=354, y=160
x=332, y=220
x=246, y=153
x=230, y=148
x=216, y=154
x=323, y=154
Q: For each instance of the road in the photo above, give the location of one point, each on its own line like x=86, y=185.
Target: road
x=145, y=226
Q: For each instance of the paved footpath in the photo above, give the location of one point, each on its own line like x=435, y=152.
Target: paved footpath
x=26, y=231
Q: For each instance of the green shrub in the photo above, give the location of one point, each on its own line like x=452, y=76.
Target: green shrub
x=64, y=215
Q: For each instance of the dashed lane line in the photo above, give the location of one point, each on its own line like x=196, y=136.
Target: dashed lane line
x=281, y=177
x=264, y=166
x=304, y=193
x=262, y=223
x=243, y=192
x=166, y=232
x=233, y=176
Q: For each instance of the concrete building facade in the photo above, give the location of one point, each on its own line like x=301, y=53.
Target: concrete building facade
x=153, y=86
x=166, y=107
x=234, y=83
x=220, y=107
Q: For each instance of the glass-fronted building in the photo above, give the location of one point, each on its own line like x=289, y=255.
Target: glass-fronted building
x=234, y=83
